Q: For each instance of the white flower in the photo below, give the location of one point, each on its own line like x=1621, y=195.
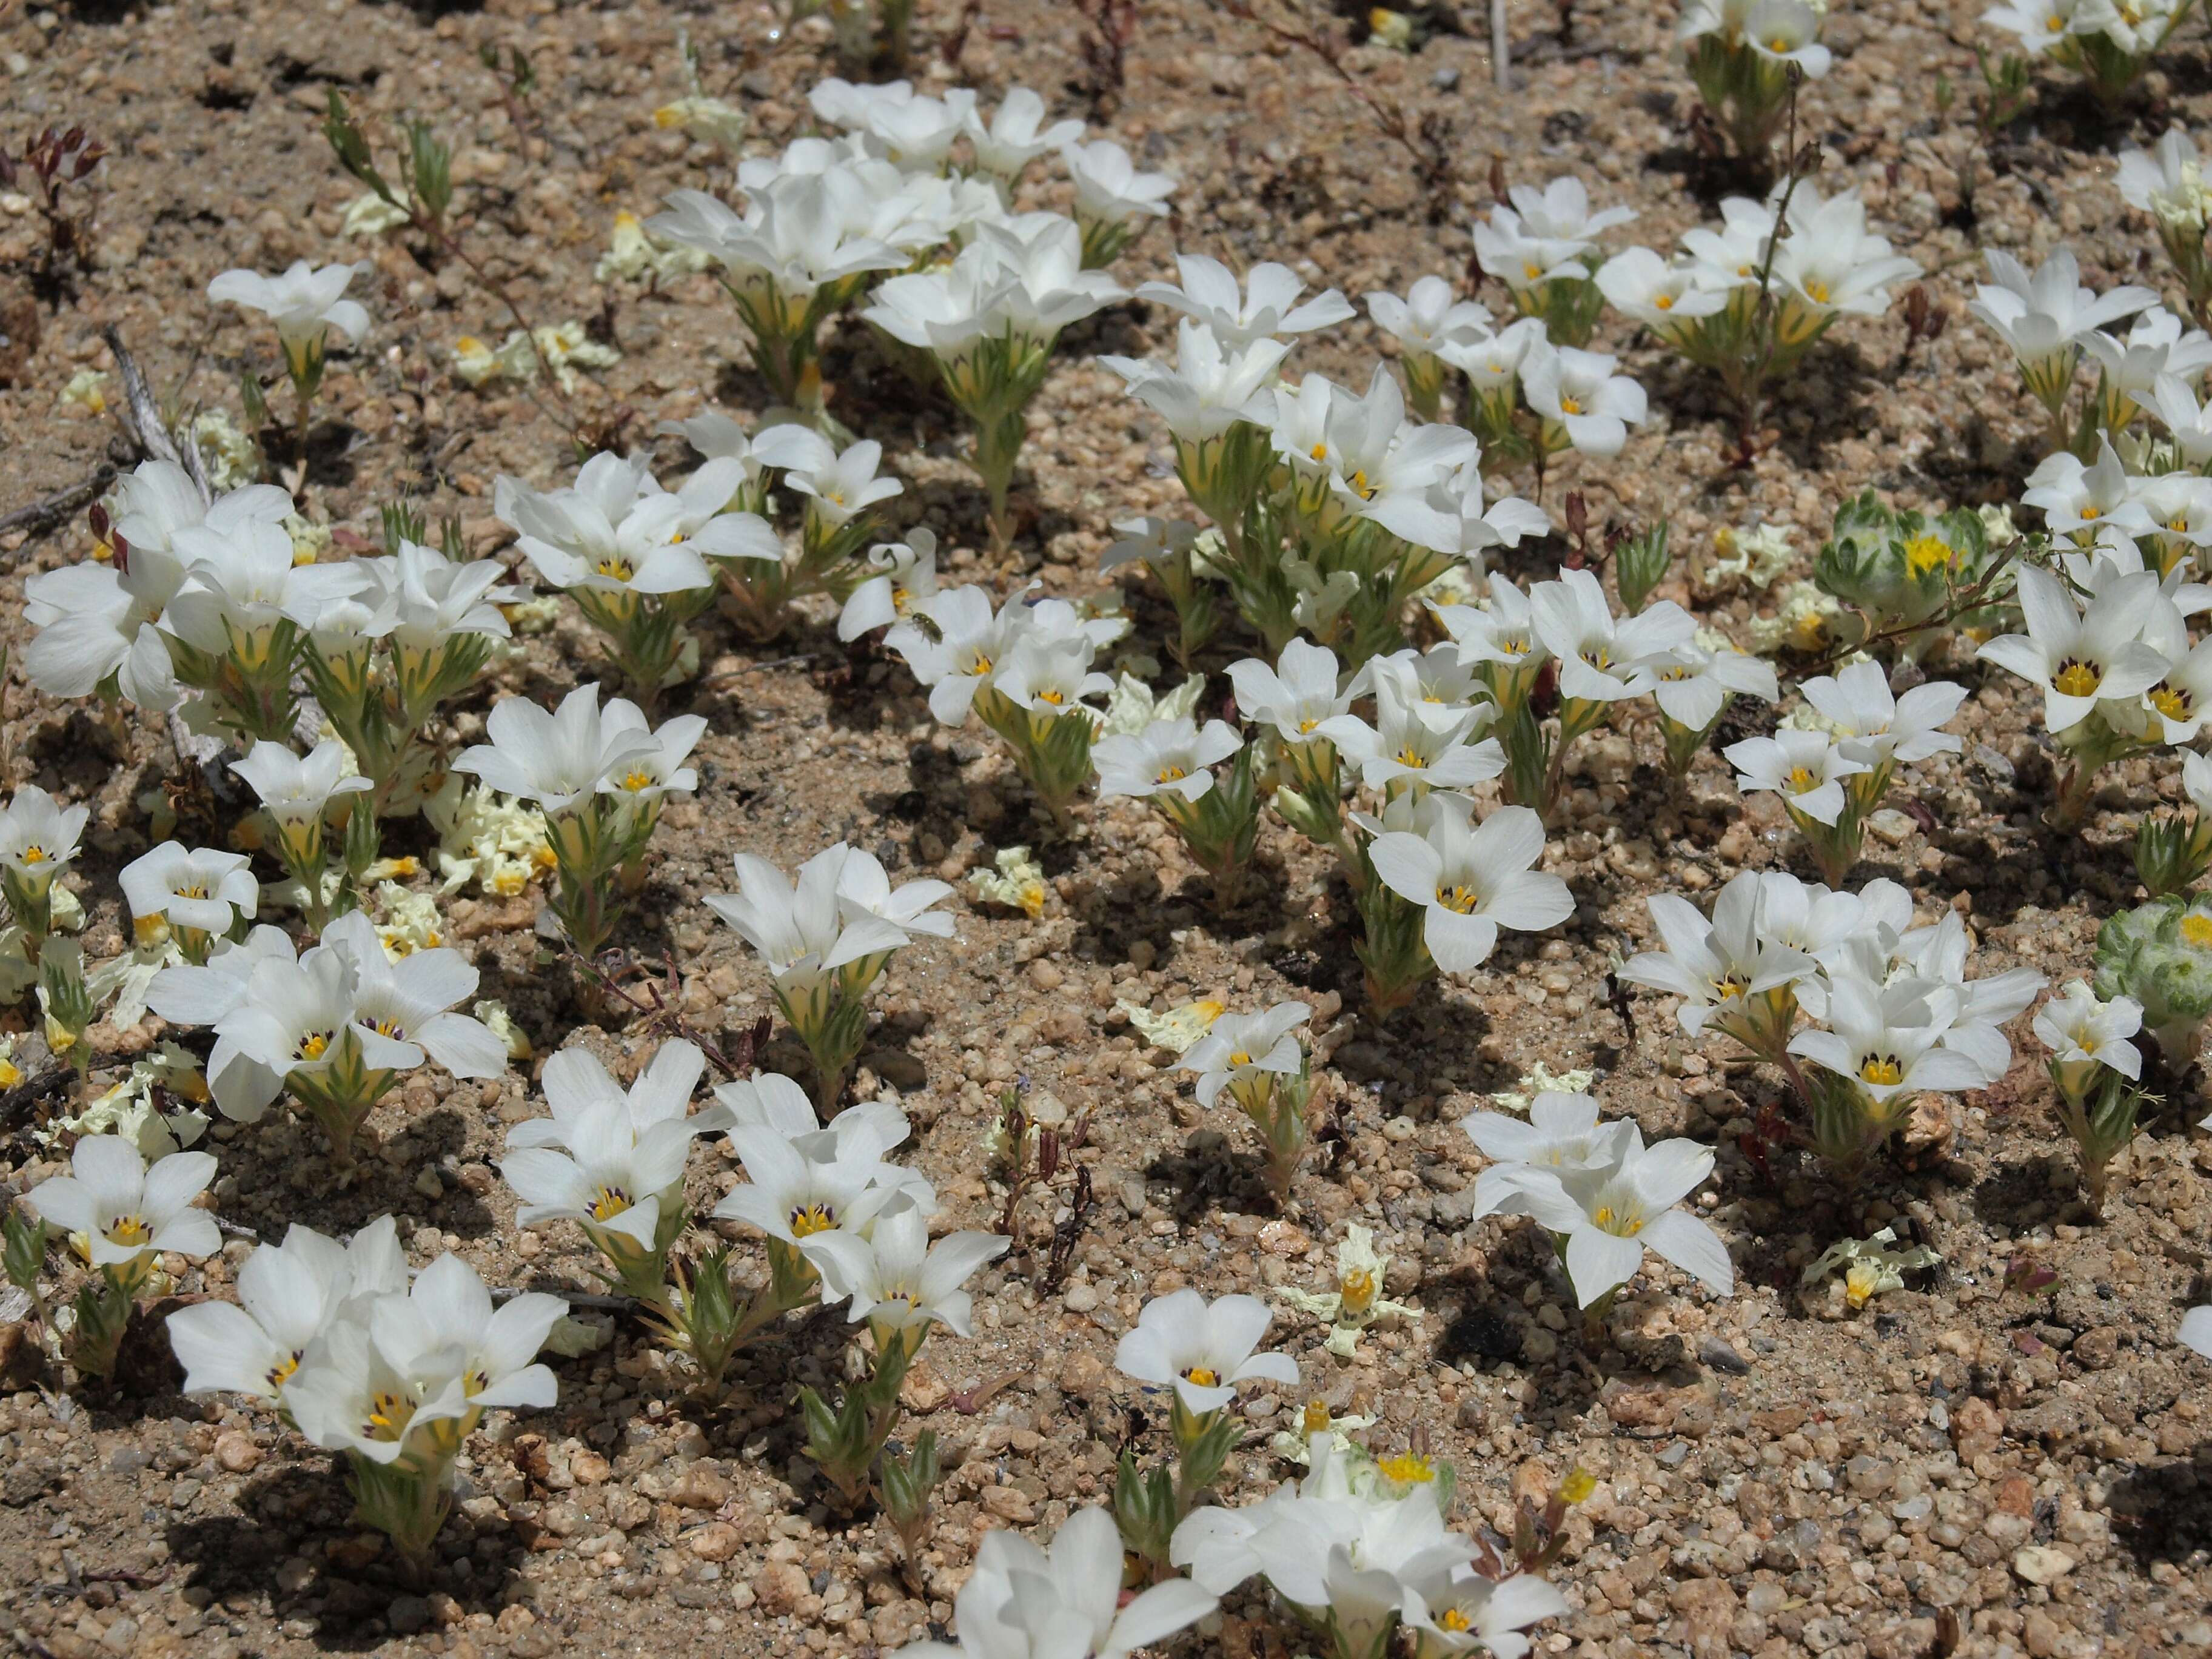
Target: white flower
x=1297, y=696
x=241, y=584
x=427, y=598
x=1887, y=1039
x=1880, y=728
x=1173, y=757
x=1267, y=305
x=302, y=301
x=1786, y=31
x=1016, y=134
x=1211, y=388
x=201, y=888
x=409, y=1000
x=118, y=1210
x=2077, y=657
x=1806, y=769
x=1579, y=391
x=2196, y=1330
x=1454, y=1609
x=799, y=1186
x=95, y=620
x=2074, y=497
x=1472, y=882
x=1603, y=659
x=610, y=1160
x=1718, y=968
x=1665, y=298
x=1109, y=187
x=842, y=912
x=188, y=995
x=1414, y=736
x=895, y=1278
x=618, y=530
x=2038, y=25
x=1562, y=1133
x=1544, y=234
x=2166, y=182
x=2043, y=315
x=1241, y=1047
x=2155, y=344
x=288, y=1296
x=1612, y=1213
x=1492, y=363
x=39, y=838
x=1203, y=1349
x=801, y=233
x=1428, y=316
x=1692, y=684
x=960, y=649
x=296, y=789
x=2084, y=1033
x=560, y=758
x=1021, y=1603
x=423, y=1367
x=905, y=580
x=1871, y=1265
x=839, y=486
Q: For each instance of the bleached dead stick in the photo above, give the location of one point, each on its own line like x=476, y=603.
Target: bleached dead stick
x=1500, y=68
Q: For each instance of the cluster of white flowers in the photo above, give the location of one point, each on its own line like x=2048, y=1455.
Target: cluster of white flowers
x=336, y=1026
x=926, y=186
x=1360, y=1549
x=2109, y=43
x=1749, y=298
x=1890, y=1010
x=1024, y=667
x=1744, y=55
x=1602, y=1194
x=826, y=941
x=1834, y=772
x=391, y=1375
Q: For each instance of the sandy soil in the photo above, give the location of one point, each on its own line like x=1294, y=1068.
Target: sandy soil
x=1960, y=1469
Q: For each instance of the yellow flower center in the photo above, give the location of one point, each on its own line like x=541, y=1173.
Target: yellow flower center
x=387, y=1416
x=1171, y=773
x=2077, y=678
x=1664, y=302
x=1356, y=1290
x=636, y=779
x=2091, y=510
x=191, y=890
x=1569, y=405
x=1680, y=672
x=616, y=568
x=1241, y=1057
x=128, y=1230
x=1055, y=698
x=1925, y=553
x=1622, y=1224
x=312, y=1046
x=2053, y=24
x=1731, y=986
x=2170, y=701
x=1204, y=1376
x=1800, y=780
x=1308, y=725
x=1315, y=1421
x=611, y=1201
x=1779, y=43
x=1513, y=645
x=1460, y=897
x=1881, y=1070
x=36, y=853
x=1408, y=1468
x=1360, y=487
x=281, y=1373
x=389, y=1026
x=1453, y=1619
x=1598, y=657
x=1817, y=291
x=1406, y=756
x=1531, y=269
x=980, y=665
x=811, y=1219
x=1318, y=453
